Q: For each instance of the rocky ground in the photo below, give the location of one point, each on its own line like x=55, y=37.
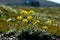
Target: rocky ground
x=29, y=35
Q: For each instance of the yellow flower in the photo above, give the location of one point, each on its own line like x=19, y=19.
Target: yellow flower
x=25, y=20
x=31, y=11
x=49, y=22
x=19, y=17
x=45, y=27
x=38, y=21
x=29, y=17
x=34, y=23
x=24, y=12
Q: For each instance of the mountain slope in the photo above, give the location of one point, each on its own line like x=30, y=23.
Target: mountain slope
x=48, y=3
x=20, y=2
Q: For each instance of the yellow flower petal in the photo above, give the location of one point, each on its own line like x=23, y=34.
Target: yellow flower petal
x=24, y=12
x=29, y=17
x=45, y=27
x=19, y=17
x=25, y=20
x=49, y=22
x=38, y=21
x=31, y=11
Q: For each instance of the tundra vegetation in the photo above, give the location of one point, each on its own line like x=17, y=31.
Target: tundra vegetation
x=16, y=19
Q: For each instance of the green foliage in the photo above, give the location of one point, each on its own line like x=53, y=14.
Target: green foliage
x=41, y=13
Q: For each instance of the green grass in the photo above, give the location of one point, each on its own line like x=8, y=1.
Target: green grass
x=52, y=13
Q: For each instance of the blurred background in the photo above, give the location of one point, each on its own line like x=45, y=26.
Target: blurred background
x=32, y=19
x=43, y=3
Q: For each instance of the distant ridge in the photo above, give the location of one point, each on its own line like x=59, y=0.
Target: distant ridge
x=43, y=3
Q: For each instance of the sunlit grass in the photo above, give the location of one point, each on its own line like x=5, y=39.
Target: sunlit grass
x=30, y=18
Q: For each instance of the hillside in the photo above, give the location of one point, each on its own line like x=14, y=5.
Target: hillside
x=17, y=19
x=42, y=3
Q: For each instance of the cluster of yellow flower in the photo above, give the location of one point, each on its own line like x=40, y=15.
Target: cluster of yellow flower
x=49, y=22
x=25, y=13
x=29, y=17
